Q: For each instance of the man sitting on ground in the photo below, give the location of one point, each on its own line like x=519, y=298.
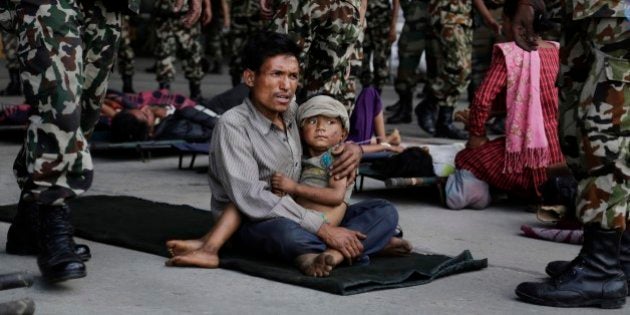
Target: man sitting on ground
x=261, y=137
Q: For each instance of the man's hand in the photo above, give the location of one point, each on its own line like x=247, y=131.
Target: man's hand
x=522, y=25
x=194, y=11
x=476, y=141
x=281, y=183
x=346, y=241
x=347, y=159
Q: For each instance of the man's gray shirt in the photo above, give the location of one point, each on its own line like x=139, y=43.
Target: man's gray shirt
x=245, y=150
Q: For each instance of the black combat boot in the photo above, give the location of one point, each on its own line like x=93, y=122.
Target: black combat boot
x=394, y=107
x=57, y=260
x=403, y=114
x=426, y=112
x=22, y=235
x=14, y=88
x=217, y=68
x=128, y=84
x=444, y=127
x=555, y=268
x=593, y=278
x=195, y=90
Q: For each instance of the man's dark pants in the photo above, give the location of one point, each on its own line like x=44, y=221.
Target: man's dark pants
x=286, y=239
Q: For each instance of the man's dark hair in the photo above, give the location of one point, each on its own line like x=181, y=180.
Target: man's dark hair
x=264, y=45
x=125, y=127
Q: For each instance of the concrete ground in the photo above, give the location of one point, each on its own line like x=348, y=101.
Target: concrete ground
x=122, y=281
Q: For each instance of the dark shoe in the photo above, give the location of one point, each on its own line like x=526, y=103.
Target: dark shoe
x=205, y=65
x=57, y=260
x=426, y=112
x=217, y=68
x=393, y=108
x=444, y=127
x=127, y=84
x=594, y=278
x=403, y=114
x=195, y=90
x=164, y=85
x=22, y=237
x=556, y=268
x=14, y=88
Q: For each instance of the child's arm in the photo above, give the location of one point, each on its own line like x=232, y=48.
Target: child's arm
x=333, y=195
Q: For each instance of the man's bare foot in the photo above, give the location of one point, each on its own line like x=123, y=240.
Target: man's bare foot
x=180, y=247
x=195, y=258
x=316, y=265
x=396, y=247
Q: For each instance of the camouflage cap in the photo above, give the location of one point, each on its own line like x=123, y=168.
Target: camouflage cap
x=326, y=106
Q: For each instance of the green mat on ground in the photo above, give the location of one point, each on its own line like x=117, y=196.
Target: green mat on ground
x=145, y=226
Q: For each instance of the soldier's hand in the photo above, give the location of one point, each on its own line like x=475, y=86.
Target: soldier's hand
x=194, y=11
x=206, y=14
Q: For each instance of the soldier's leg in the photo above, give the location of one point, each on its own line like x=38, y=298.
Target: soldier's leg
x=165, y=51
x=382, y=50
x=604, y=128
x=126, y=57
x=365, y=76
x=453, y=75
x=597, y=126
x=10, y=45
x=410, y=47
x=54, y=163
x=101, y=37
x=192, y=53
x=237, y=39
x=329, y=71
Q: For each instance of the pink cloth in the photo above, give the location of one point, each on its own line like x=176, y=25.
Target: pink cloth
x=526, y=142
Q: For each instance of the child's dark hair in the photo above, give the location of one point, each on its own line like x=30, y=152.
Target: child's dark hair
x=265, y=45
x=125, y=127
x=541, y=23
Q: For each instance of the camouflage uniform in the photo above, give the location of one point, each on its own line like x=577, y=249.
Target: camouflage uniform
x=376, y=45
x=64, y=75
x=10, y=44
x=245, y=20
x=595, y=109
x=451, y=23
x=327, y=31
x=411, y=44
x=213, y=33
x=125, y=51
x=173, y=38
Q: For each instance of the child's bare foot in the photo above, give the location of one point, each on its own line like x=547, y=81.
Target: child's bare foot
x=396, y=247
x=195, y=258
x=316, y=265
x=180, y=247
x=394, y=138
